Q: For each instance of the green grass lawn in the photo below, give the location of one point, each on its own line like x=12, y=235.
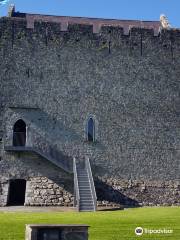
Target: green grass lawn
x=107, y=225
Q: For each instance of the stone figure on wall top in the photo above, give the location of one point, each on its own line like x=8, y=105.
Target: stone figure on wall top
x=164, y=22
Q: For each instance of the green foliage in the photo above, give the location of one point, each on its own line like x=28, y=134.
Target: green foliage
x=107, y=225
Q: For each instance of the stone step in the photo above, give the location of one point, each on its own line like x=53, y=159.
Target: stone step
x=87, y=202
x=84, y=185
x=87, y=209
x=85, y=190
x=82, y=173
x=85, y=193
x=82, y=181
x=86, y=197
x=84, y=205
x=82, y=196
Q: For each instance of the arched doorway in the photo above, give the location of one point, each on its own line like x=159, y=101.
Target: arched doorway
x=17, y=190
x=19, y=133
x=90, y=130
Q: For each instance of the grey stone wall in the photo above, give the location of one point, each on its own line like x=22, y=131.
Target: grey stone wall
x=46, y=184
x=137, y=193
x=42, y=191
x=4, y=186
x=130, y=84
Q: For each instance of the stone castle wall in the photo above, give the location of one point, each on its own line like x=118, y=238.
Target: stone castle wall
x=128, y=83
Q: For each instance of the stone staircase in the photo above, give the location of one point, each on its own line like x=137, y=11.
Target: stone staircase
x=86, y=200
x=46, y=150
x=63, y=163
x=84, y=190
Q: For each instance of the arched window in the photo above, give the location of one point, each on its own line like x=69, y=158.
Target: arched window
x=19, y=133
x=91, y=130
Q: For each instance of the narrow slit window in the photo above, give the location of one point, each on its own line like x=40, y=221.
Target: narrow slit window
x=91, y=130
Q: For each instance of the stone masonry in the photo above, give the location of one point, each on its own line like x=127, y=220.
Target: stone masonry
x=55, y=77
x=44, y=192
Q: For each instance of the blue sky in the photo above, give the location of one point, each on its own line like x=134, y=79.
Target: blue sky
x=120, y=9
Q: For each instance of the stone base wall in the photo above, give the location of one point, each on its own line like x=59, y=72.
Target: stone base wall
x=137, y=192
x=41, y=191
x=4, y=185
x=46, y=184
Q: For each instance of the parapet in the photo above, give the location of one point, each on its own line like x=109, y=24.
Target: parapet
x=96, y=23
x=132, y=35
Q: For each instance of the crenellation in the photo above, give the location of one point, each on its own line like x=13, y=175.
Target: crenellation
x=114, y=36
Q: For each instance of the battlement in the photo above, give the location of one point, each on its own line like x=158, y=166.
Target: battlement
x=139, y=38
x=96, y=23
x=86, y=25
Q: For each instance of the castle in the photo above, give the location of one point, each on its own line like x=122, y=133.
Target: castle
x=89, y=112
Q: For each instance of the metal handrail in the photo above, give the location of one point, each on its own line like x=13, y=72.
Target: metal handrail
x=76, y=185
x=88, y=167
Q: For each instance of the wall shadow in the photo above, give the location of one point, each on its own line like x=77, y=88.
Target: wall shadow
x=106, y=193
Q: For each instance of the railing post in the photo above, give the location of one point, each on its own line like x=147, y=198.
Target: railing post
x=76, y=185
x=74, y=182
